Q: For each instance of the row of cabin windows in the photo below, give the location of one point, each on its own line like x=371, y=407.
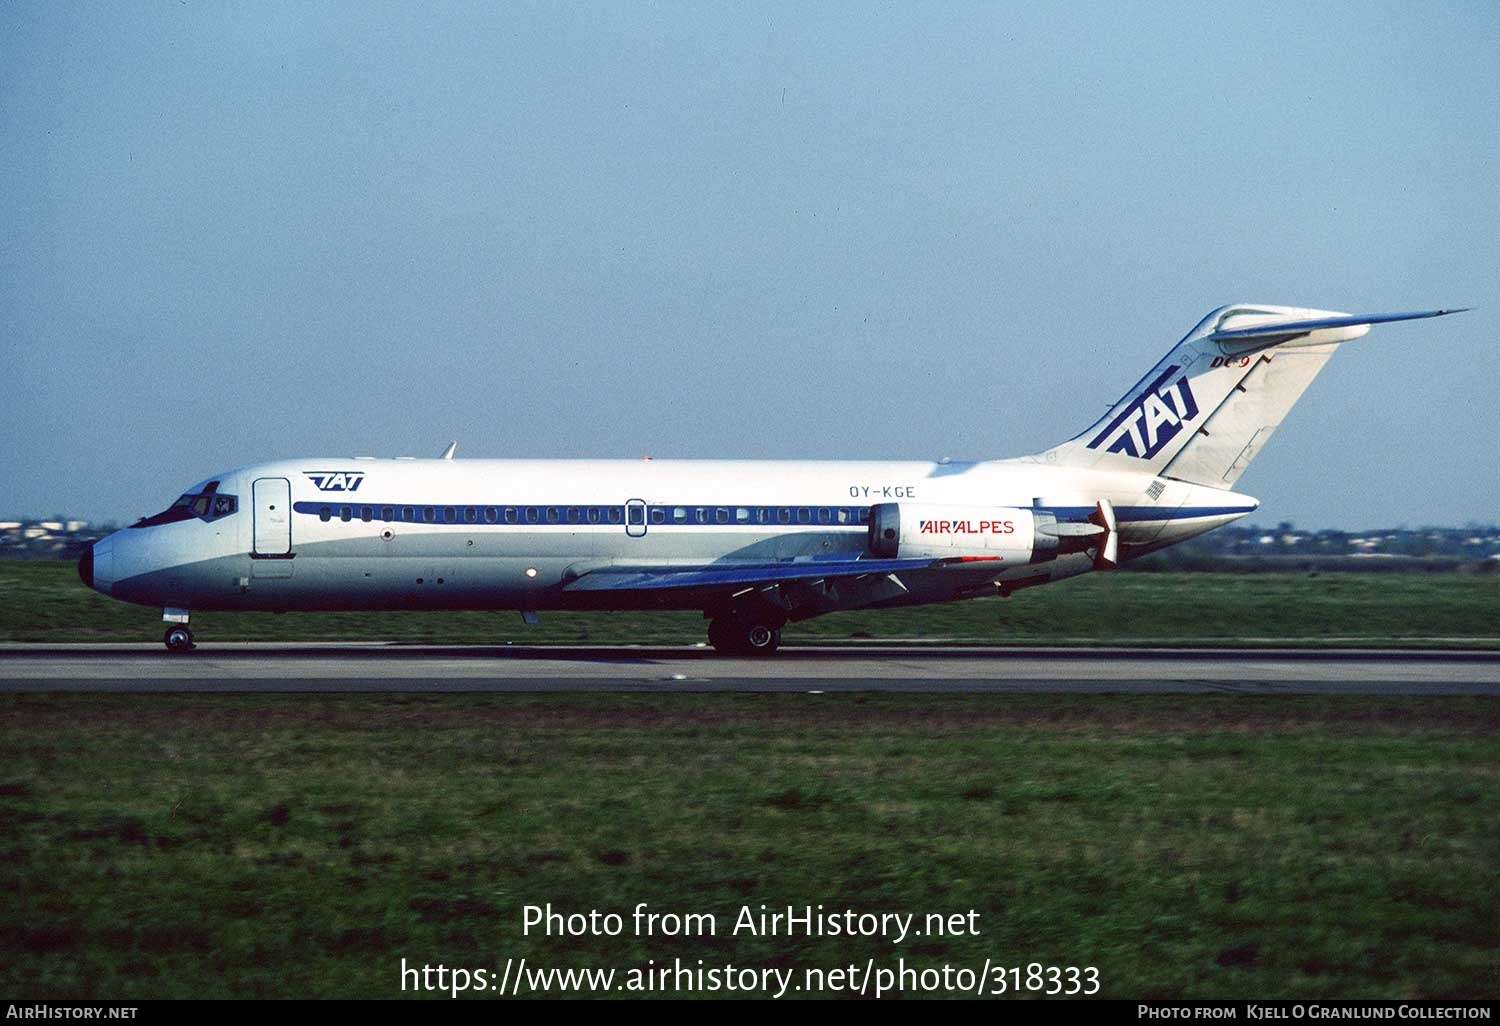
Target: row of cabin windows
x=848, y=516
x=831, y=515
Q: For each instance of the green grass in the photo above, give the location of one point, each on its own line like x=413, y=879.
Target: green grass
x=45, y=601
x=1230, y=846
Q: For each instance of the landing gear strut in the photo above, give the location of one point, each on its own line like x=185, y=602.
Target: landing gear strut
x=745, y=633
x=178, y=639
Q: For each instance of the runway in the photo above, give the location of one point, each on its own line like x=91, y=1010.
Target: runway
x=379, y=667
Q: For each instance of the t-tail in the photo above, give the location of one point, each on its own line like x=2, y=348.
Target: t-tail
x=1208, y=408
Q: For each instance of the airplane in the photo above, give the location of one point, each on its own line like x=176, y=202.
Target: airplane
x=754, y=544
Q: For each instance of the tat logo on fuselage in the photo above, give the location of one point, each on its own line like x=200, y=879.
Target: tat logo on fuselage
x=335, y=480
x=1152, y=420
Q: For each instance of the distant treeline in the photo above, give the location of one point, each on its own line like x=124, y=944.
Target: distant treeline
x=1285, y=549
x=56, y=538
x=1176, y=561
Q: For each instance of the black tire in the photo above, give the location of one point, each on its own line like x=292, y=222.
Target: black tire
x=730, y=636
x=761, y=638
x=178, y=639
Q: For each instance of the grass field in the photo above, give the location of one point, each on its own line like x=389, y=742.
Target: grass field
x=1218, y=845
x=45, y=601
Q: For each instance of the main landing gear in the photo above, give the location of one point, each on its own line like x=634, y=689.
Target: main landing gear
x=743, y=632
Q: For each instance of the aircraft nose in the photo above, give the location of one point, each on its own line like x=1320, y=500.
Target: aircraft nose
x=86, y=566
x=96, y=566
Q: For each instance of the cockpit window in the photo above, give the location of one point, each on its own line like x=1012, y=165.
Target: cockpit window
x=208, y=505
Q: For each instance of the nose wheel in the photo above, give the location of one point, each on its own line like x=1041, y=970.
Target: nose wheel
x=178, y=639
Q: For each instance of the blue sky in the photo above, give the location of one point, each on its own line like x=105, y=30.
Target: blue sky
x=235, y=232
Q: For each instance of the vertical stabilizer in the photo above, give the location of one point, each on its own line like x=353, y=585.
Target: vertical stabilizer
x=1209, y=406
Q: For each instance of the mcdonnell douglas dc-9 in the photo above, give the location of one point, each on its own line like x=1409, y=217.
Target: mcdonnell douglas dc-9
x=753, y=544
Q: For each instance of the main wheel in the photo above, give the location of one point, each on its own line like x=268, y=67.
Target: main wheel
x=178, y=639
x=754, y=636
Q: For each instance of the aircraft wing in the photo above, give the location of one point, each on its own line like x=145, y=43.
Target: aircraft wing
x=711, y=575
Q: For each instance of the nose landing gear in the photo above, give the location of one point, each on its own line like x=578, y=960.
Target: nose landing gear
x=178, y=639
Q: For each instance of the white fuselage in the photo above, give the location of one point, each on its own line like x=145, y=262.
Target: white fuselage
x=340, y=533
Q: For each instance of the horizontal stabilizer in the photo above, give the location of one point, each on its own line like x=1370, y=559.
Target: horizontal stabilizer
x=1291, y=329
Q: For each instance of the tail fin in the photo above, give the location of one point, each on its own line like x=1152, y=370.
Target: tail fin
x=1204, y=412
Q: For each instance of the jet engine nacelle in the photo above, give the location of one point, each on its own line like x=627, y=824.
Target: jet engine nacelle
x=1006, y=534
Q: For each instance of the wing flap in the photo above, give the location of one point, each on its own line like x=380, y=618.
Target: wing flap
x=644, y=578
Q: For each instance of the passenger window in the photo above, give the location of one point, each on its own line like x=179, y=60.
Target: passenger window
x=429, y=514
x=658, y=515
x=532, y=514
x=784, y=515
x=346, y=514
x=593, y=514
x=554, y=514
x=804, y=515
x=471, y=515
x=491, y=514
x=510, y=514
x=387, y=513
x=721, y=515
x=325, y=514
x=741, y=515
x=615, y=515
x=366, y=513
x=679, y=514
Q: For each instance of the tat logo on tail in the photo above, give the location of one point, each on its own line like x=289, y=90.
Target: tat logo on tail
x=1152, y=419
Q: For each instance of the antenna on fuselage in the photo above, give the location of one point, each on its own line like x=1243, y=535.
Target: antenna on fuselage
x=448, y=452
